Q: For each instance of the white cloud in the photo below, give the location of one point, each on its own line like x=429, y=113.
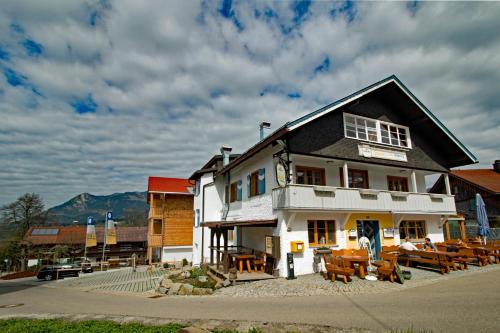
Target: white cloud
x=173, y=81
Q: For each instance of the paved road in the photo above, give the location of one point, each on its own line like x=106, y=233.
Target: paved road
x=463, y=304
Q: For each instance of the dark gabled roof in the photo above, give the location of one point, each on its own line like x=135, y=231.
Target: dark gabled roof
x=76, y=234
x=290, y=126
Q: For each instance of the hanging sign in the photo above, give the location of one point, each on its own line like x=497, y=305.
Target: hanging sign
x=111, y=231
x=281, y=174
x=91, y=239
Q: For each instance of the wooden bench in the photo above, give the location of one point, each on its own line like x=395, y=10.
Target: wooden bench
x=259, y=261
x=390, y=249
x=475, y=255
x=438, y=260
x=386, y=267
x=336, y=266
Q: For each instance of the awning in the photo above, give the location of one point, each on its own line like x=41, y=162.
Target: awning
x=241, y=223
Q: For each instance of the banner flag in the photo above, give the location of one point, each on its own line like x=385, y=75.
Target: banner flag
x=91, y=239
x=111, y=231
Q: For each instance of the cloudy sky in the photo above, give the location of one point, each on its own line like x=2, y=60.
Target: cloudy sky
x=97, y=95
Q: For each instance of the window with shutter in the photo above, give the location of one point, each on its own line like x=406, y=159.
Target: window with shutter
x=239, y=190
x=257, y=181
x=262, y=181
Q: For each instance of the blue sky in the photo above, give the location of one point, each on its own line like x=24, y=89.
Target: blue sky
x=97, y=95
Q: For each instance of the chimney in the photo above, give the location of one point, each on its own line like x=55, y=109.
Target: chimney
x=225, y=151
x=496, y=166
x=263, y=125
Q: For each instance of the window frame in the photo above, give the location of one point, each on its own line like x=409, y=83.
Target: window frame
x=396, y=178
x=313, y=169
x=254, y=184
x=328, y=241
x=233, y=192
x=366, y=179
x=378, y=128
x=406, y=226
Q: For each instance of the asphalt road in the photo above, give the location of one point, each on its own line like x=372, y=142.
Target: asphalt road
x=467, y=303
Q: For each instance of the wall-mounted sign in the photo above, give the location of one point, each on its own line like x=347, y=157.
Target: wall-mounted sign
x=377, y=152
x=353, y=233
x=281, y=174
x=389, y=233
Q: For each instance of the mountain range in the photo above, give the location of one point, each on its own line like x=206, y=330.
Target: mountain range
x=125, y=206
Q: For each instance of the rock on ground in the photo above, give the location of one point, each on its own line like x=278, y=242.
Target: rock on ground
x=174, y=288
x=186, y=289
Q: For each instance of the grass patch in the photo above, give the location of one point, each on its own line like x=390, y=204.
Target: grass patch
x=89, y=326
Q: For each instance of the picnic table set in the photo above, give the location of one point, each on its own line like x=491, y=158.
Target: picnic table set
x=448, y=256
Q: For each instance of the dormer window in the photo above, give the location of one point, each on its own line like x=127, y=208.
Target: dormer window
x=373, y=130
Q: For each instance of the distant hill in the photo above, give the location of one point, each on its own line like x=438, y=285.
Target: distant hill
x=125, y=206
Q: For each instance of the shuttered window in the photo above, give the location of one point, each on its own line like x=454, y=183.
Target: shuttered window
x=256, y=182
x=235, y=191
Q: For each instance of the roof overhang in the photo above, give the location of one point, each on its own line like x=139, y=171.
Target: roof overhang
x=245, y=223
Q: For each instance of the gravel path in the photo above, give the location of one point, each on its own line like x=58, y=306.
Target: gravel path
x=315, y=284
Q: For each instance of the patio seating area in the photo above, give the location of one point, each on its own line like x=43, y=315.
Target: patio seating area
x=449, y=256
x=246, y=263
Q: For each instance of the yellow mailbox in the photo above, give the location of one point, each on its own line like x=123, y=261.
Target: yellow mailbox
x=297, y=246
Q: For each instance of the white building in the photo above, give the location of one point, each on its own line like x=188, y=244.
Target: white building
x=381, y=139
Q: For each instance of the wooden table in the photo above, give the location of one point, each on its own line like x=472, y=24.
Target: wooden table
x=362, y=262
x=240, y=258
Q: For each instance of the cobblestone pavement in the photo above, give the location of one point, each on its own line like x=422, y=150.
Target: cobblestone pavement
x=315, y=284
x=121, y=280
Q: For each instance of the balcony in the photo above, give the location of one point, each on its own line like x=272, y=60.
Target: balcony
x=155, y=212
x=328, y=198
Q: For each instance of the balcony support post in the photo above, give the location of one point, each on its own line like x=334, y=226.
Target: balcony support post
x=414, y=181
x=345, y=172
x=447, y=183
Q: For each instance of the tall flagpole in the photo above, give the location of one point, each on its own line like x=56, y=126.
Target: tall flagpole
x=105, y=237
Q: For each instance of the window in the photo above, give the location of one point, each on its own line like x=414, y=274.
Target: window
x=412, y=229
x=256, y=183
x=235, y=191
x=156, y=227
x=232, y=195
x=321, y=232
x=357, y=178
x=399, y=184
x=310, y=176
x=373, y=130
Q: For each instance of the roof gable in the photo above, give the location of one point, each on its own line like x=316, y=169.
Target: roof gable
x=169, y=185
x=391, y=79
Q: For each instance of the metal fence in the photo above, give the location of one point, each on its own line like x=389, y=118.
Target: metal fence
x=471, y=231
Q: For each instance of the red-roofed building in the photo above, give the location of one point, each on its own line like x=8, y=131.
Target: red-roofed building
x=170, y=219
x=465, y=184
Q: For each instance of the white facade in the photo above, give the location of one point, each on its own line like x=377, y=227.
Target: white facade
x=296, y=204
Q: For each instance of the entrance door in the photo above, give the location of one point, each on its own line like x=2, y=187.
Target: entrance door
x=370, y=229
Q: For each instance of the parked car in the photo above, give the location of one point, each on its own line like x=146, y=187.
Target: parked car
x=52, y=272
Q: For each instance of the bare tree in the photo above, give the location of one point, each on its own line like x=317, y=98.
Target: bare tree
x=25, y=212
x=135, y=217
